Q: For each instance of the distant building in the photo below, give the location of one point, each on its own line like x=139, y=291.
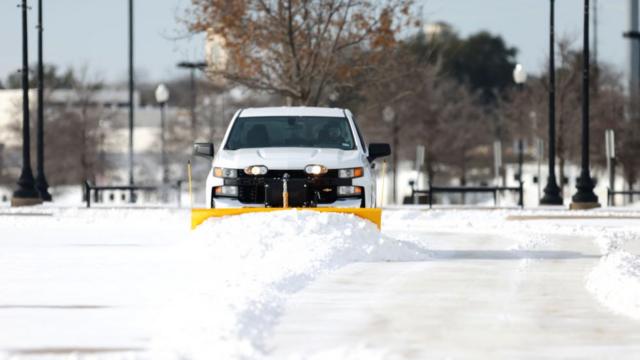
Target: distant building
x=115, y=124
x=437, y=30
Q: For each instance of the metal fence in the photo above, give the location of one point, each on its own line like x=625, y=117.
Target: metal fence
x=495, y=190
x=92, y=189
x=611, y=195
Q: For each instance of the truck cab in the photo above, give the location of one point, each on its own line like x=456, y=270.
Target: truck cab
x=292, y=157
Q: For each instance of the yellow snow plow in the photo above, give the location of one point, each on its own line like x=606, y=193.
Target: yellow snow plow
x=198, y=216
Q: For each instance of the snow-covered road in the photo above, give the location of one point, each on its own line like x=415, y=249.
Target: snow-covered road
x=480, y=297
x=137, y=284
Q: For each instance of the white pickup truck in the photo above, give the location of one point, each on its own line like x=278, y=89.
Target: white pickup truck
x=292, y=157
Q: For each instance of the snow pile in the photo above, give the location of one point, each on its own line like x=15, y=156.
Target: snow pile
x=615, y=281
x=237, y=272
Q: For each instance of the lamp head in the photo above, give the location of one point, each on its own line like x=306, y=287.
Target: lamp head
x=519, y=74
x=162, y=94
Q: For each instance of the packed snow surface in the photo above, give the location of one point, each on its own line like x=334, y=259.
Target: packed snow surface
x=212, y=293
x=137, y=284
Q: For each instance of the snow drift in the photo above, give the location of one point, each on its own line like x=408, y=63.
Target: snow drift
x=615, y=281
x=237, y=272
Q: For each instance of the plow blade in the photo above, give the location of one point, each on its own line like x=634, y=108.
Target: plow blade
x=198, y=216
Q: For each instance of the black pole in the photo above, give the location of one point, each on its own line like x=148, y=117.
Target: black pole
x=520, y=178
x=193, y=103
x=131, y=99
x=26, y=194
x=41, y=180
x=612, y=179
x=585, y=198
x=165, y=170
x=193, y=66
x=552, y=194
x=396, y=129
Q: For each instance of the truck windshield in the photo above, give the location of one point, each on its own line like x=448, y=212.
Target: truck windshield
x=291, y=131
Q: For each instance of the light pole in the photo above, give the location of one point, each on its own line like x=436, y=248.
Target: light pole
x=26, y=194
x=520, y=77
x=633, y=36
x=192, y=66
x=552, y=194
x=162, y=96
x=41, y=180
x=389, y=116
x=131, y=85
x=584, y=197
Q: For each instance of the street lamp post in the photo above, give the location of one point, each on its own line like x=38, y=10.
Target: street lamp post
x=552, y=194
x=389, y=116
x=520, y=77
x=41, y=180
x=162, y=96
x=633, y=36
x=584, y=197
x=192, y=66
x=131, y=99
x=26, y=194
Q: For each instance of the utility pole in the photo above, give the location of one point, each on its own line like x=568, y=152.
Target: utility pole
x=193, y=66
x=552, y=194
x=41, y=180
x=26, y=194
x=585, y=198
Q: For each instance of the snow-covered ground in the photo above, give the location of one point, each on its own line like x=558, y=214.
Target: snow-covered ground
x=137, y=284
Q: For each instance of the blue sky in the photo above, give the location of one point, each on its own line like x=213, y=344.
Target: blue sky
x=94, y=32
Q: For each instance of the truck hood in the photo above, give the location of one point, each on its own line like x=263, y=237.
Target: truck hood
x=288, y=158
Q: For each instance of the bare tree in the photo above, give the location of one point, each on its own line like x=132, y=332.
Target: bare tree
x=73, y=135
x=431, y=110
x=298, y=48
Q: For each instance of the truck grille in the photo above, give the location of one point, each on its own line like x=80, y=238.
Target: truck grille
x=298, y=193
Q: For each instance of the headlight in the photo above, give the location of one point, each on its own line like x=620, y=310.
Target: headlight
x=256, y=170
x=349, y=190
x=315, y=169
x=228, y=191
x=350, y=173
x=225, y=173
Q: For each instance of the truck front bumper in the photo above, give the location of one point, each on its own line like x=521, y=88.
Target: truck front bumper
x=226, y=203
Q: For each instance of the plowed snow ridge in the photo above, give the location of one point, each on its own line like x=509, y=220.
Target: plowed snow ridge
x=231, y=293
x=615, y=281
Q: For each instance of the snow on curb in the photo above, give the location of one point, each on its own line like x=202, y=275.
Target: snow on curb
x=615, y=281
x=238, y=271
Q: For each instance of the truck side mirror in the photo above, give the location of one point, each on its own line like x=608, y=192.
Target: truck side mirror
x=378, y=151
x=203, y=149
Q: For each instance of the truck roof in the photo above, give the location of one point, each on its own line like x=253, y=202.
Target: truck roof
x=292, y=111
